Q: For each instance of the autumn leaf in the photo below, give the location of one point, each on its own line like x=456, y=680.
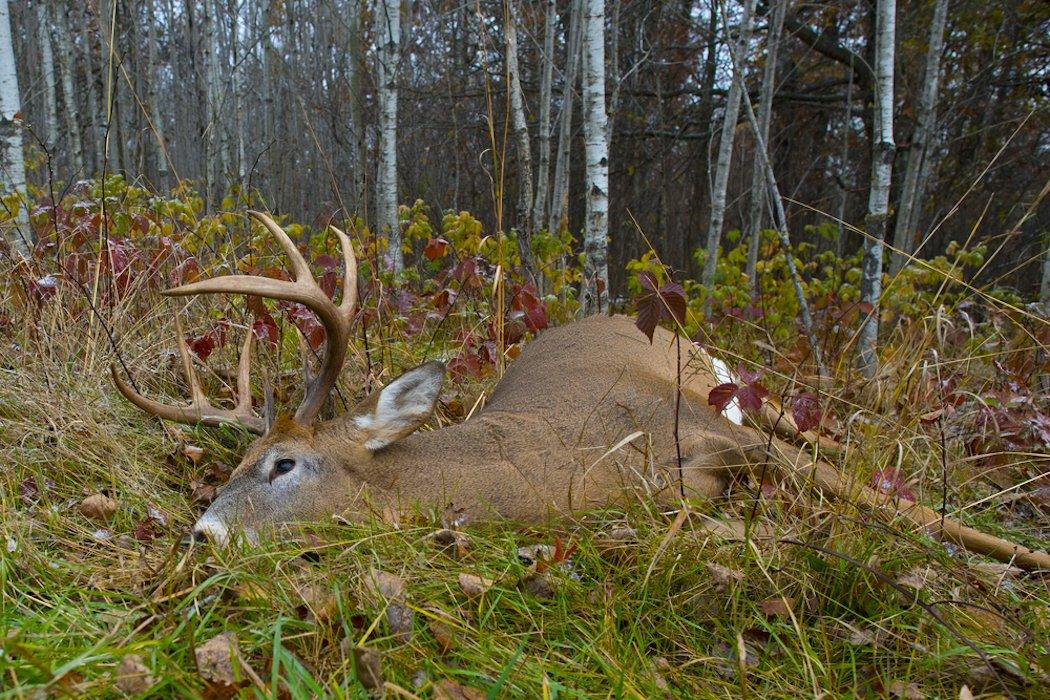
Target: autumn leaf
x=721, y=395
x=98, y=507
x=654, y=305
x=750, y=396
x=805, y=411
x=435, y=248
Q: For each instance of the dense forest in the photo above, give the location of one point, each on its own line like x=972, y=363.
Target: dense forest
x=696, y=348
x=294, y=102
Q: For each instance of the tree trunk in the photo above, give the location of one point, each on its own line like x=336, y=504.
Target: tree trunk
x=160, y=150
x=543, y=167
x=388, y=18
x=560, y=193
x=759, y=191
x=706, y=119
x=357, y=108
x=725, y=155
x=12, y=165
x=925, y=121
x=69, y=104
x=47, y=69
x=96, y=114
x=214, y=166
x=879, y=192
x=594, y=291
x=521, y=138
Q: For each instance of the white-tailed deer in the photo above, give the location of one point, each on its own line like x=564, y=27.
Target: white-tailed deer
x=583, y=418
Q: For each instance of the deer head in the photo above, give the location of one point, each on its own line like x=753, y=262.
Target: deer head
x=298, y=469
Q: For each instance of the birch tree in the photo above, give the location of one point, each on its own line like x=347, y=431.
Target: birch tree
x=882, y=151
x=12, y=165
x=47, y=70
x=594, y=291
x=918, y=153
x=521, y=137
x=543, y=134
x=69, y=106
x=725, y=156
x=573, y=50
x=388, y=17
x=357, y=105
x=759, y=191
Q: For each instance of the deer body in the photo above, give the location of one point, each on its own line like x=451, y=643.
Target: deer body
x=584, y=417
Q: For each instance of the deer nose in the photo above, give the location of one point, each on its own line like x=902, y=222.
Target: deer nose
x=198, y=536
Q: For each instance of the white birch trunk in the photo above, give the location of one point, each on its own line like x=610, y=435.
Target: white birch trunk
x=69, y=104
x=214, y=166
x=594, y=290
x=159, y=145
x=759, y=191
x=388, y=31
x=47, y=69
x=560, y=193
x=543, y=165
x=725, y=156
x=521, y=138
x=926, y=119
x=1044, y=287
x=12, y=163
x=357, y=106
x=879, y=193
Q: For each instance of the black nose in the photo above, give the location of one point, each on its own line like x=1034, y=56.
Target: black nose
x=196, y=537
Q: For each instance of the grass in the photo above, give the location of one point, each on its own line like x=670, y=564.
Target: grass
x=679, y=608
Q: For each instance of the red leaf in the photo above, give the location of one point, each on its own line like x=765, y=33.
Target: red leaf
x=721, y=395
x=202, y=345
x=673, y=296
x=747, y=375
x=751, y=395
x=890, y=482
x=435, y=248
x=805, y=410
x=866, y=307
x=264, y=327
x=326, y=262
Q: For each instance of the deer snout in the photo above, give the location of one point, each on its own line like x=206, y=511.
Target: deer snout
x=210, y=529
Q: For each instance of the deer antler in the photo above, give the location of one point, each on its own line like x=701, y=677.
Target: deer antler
x=302, y=289
x=200, y=410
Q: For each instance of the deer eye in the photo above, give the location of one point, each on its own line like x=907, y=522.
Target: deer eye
x=282, y=466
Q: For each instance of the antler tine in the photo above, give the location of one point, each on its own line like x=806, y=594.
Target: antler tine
x=200, y=410
x=303, y=290
x=300, y=268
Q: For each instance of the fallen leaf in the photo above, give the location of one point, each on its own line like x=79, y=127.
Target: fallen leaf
x=202, y=493
x=193, y=453
x=385, y=585
x=723, y=576
x=98, y=507
x=133, y=676
x=391, y=588
x=452, y=540
x=318, y=603
x=908, y=691
x=473, y=585
x=965, y=693
x=451, y=690
x=539, y=584
x=444, y=635
x=215, y=659
x=368, y=668
x=777, y=607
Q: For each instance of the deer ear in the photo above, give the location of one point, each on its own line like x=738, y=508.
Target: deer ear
x=401, y=406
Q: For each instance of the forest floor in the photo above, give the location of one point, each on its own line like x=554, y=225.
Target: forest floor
x=99, y=598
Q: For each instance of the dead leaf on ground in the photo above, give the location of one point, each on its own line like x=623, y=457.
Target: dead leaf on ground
x=98, y=507
x=134, y=676
x=734, y=530
x=389, y=586
x=723, y=576
x=539, y=584
x=444, y=634
x=458, y=542
x=908, y=691
x=451, y=690
x=318, y=603
x=965, y=693
x=777, y=607
x=193, y=453
x=474, y=585
x=215, y=659
x=368, y=668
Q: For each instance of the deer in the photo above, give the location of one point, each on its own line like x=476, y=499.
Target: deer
x=583, y=418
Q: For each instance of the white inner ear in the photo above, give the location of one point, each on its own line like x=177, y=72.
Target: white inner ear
x=403, y=406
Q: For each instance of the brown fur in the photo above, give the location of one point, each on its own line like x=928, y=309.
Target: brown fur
x=543, y=445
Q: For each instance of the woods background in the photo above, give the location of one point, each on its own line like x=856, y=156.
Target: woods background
x=283, y=98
